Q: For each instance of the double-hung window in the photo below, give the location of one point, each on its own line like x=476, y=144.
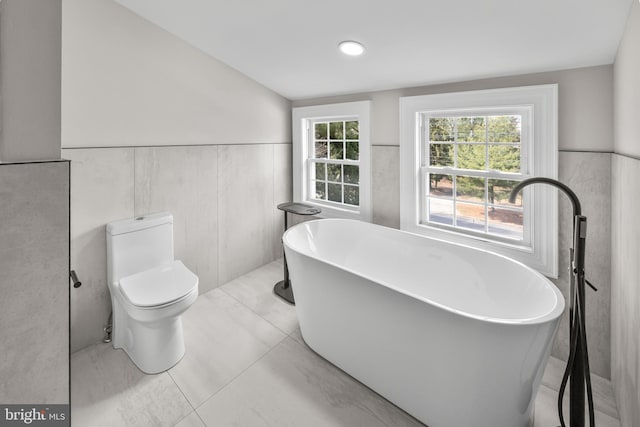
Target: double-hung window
x=331, y=158
x=471, y=161
x=462, y=154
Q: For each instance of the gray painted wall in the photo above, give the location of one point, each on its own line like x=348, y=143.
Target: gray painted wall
x=585, y=139
x=627, y=88
x=178, y=131
x=126, y=82
x=583, y=94
x=34, y=283
x=29, y=80
x=625, y=239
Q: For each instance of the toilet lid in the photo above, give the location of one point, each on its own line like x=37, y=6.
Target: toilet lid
x=158, y=286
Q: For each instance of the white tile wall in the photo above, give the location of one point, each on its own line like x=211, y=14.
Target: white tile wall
x=625, y=288
x=34, y=283
x=101, y=192
x=282, y=187
x=588, y=175
x=223, y=199
x=247, y=236
x=385, y=170
x=183, y=181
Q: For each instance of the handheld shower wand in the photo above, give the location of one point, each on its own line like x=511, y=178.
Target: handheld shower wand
x=578, y=363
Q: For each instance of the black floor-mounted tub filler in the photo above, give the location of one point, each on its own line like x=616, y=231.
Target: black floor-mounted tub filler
x=578, y=364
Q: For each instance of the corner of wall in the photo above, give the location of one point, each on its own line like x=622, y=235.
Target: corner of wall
x=625, y=296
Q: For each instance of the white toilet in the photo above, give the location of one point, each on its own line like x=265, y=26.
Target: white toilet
x=149, y=291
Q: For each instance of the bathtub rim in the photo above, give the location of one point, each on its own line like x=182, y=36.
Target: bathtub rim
x=556, y=312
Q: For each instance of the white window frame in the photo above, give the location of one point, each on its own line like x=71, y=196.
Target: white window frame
x=302, y=118
x=539, y=248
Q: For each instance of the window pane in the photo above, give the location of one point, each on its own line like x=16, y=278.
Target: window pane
x=477, y=143
x=353, y=148
x=506, y=222
x=470, y=189
x=504, y=158
x=321, y=193
x=351, y=175
x=321, y=130
x=471, y=129
x=334, y=173
x=499, y=191
x=336, y=130
x=440, y=185
x=440, y=211
x=471, y=156
x=441, y=154
x=505, y=128
x=470, y=216
x=321, y=171
x=321, y=150
x=336, y=150
x=352, y=195
x=351, y=129
x=441, y=129
x=335, y=192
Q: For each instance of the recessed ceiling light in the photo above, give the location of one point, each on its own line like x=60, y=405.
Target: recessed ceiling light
x=351, y=48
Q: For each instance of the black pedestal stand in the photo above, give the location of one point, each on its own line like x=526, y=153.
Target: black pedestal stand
x=283, y=288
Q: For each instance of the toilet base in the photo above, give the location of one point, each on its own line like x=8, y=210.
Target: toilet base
x=154, y=350
x=153, y=346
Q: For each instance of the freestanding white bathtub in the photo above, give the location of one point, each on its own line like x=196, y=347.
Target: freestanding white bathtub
x=455, y=336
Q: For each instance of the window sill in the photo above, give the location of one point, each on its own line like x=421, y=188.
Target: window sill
x=329, y=211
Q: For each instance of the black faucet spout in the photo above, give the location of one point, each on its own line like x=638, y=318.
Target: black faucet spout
x=577, y=209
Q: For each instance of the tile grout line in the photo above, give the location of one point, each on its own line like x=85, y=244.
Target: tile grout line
x=181, y=392
x=249, y=308
x=254, y=312
x=237, y=376
x=185, y=398
x=193, y=410
x=285, y=336
x=306, y=347
x=218, y=249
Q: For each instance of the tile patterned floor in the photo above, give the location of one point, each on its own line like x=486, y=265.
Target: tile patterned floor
x=246, y=365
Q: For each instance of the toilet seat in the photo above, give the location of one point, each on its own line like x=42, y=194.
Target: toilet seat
x=159, y=286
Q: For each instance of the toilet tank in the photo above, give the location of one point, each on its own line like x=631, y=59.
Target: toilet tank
x=138, y=244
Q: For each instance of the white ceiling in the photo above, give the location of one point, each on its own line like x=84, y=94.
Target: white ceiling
x=290, y=46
